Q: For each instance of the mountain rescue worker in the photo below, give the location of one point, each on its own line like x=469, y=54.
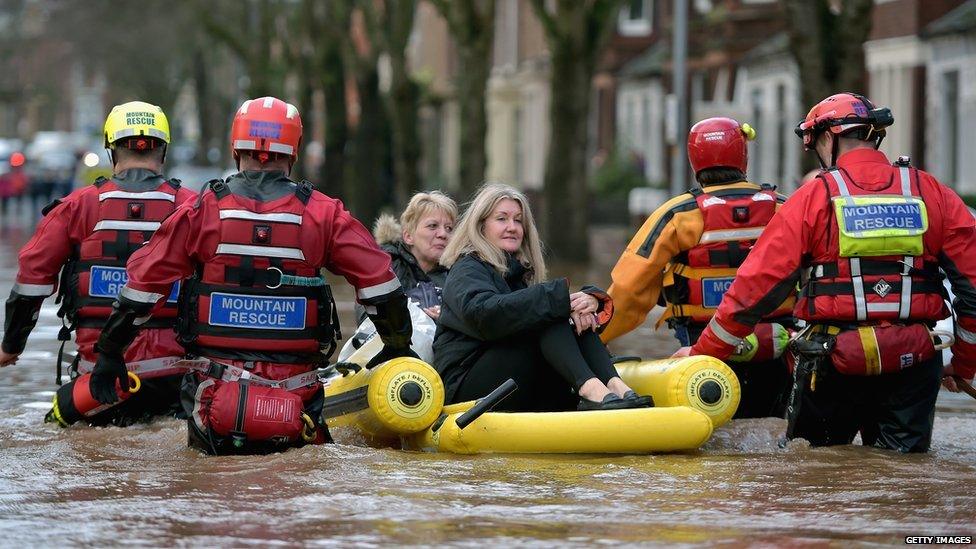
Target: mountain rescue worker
x=688, y=251
x=88, y=236
x=866, y=239
x=257, y=307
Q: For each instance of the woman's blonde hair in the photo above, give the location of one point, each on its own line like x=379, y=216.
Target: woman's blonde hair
x=387, y=230
x=469, y=236
x=422, y=204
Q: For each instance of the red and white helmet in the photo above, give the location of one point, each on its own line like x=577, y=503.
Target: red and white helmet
x=266, y=124
x=842, y=113
x=719, y=143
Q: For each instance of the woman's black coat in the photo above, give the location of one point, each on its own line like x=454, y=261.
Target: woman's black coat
x=480, y=306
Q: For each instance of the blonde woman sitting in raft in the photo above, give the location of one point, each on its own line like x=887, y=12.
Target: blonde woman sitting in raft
x=416, y=244
x=501, y=319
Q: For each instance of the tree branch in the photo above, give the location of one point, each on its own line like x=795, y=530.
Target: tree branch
x=546, y=20
x=222, y=33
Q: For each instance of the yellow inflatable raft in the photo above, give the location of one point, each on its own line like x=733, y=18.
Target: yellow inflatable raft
x=702, y=382
x=636, y=431
x=404, y=398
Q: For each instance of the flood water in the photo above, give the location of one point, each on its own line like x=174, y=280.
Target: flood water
x=141, y=485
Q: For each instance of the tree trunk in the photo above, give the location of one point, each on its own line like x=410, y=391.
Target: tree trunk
x=576, y=33
x=331, y=175
x=403, y=101
x=472, y=87
x=472, y=25
x=370, y=180
x=828, y=49
x=565, y=191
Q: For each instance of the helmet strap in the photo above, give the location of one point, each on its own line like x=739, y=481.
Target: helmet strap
x=824, y=165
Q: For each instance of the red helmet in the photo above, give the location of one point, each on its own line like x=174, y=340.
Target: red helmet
x=266, y=124
x=719, y=143
x=842, y=113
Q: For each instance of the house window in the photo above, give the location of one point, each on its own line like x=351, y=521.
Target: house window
x=636, y=17
x=950, y=105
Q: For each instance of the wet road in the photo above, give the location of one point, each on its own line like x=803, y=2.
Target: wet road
x=141, y=486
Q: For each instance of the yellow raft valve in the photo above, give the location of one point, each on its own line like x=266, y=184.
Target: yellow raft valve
x=400, y=396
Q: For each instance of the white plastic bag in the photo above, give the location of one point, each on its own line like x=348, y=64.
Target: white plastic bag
x=422, y=341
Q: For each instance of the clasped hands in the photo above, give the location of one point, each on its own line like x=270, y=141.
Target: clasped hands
x=583, y=308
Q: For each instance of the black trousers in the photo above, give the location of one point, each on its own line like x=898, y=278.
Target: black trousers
x=549, y=366
x=892, y=411
x=158, y=397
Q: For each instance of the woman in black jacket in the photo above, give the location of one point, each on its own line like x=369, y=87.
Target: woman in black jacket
x=500, y=319
x=416, y=244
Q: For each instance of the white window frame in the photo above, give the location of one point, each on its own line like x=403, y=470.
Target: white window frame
x=636, y=27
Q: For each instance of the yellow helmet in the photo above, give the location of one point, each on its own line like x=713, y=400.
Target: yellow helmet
x=134, y=119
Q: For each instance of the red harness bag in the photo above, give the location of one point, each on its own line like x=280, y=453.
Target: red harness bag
x=248, y=412
x=882, y=349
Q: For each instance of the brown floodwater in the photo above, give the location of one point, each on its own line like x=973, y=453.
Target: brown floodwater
x=141, y=486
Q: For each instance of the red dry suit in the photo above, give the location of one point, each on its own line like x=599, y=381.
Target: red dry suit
x=803, y=239
x=237, y=240
x=866, y=240
x=90, y=234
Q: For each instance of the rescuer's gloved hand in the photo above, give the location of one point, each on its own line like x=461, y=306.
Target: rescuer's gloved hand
x=109, y=375
x=392, y=321
x=119, y=331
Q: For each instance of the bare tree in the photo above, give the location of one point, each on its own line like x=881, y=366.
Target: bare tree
x=369, y=170
x=328, y=26
x=827, y=40
x=472, y=25
x=389, y=23
x=576, y=32
x=247, y=29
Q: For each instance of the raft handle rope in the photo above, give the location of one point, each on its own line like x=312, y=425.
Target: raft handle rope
x=942, y=339
x=964, y=386
x=291, y=280
x=486, y=404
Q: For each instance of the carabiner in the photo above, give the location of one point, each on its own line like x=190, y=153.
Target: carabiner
x=280, y=276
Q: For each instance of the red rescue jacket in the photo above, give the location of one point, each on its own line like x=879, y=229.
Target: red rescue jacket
x=231, y=253
x=236, y=302
x=68, y=231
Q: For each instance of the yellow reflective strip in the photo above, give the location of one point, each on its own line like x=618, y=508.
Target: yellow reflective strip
x=872, y=355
